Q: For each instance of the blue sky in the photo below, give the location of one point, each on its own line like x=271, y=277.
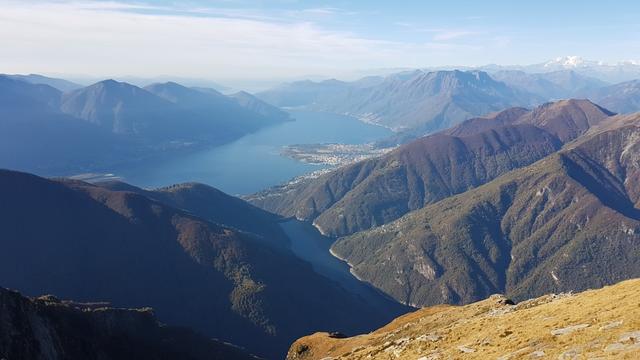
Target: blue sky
x=236, y=39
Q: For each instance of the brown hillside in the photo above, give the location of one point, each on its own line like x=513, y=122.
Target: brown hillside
x=595, y=324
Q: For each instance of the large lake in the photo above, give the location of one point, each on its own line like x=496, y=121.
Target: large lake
x=253, y=162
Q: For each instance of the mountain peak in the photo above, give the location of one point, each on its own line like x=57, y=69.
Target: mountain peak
x=567, y=61
x=168, y=84
x=585, y=105
x=243, y=93
x=566, y=119
x=109, y=82
x=37, y=79
x=450, y=76
x=572, y=62
x=630, y=62
x=109, y=85
x=470, y=75
x=174, y=92
x=249, y=101
x=117, y=106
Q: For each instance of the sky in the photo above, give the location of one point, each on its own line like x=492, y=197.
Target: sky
x=227, y=40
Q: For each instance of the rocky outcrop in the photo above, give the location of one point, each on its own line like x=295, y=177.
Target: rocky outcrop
x=46, y=328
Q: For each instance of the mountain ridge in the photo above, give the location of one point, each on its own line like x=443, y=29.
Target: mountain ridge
x=375, y=191
x=90, y=243
x=623, y=97
x=60, y=84
x=115, y=106
x=110, y=123
x=560, y=84
x=416, y=101
x=524, y=233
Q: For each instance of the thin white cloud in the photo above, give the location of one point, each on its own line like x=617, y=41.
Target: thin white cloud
x=115, y=39
x=440, y=34
x=446, y=35
x=101, y=37
x=321, y=11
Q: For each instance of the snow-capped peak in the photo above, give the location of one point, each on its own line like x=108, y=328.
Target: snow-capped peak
x=567, y=62
x=630, y=62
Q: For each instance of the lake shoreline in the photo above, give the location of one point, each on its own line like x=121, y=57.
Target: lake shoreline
x=252, y=163
x=310, y=245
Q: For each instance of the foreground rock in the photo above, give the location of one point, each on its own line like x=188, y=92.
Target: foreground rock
x=47, y=328
x=602, y=323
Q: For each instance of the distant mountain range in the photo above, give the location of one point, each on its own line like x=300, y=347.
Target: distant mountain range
x=186, y=81
x=608, y=72
x=36, y=135
x=156, y=111
x=612, y=73
x=199, y=257
x=48, y=328
x=50, y=131
x=623, y=98
x=431, y=101
x=419, y=101
x=120, y=108
x=60, y=84
x=256, y=105
x=561, y=84
x=305, y=93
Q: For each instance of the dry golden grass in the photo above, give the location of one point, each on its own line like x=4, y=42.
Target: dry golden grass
x=595, y=324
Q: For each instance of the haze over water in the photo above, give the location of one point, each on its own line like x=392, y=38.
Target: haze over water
x=253, y=162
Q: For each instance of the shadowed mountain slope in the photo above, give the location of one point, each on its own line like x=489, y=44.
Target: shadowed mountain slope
x=305, y=93
x=376, y=191
x=60, y=84
x=118, y=107
x=112, y=123
x=566, y=223
x=216, y=206
x=418, y=101
x=554, y=85
x=256, y=105
x=89, y=243
x=238, y=114
x=35, y=135
x=167, y=111
x=430, y=101
x=47, y=328
x=622, y=98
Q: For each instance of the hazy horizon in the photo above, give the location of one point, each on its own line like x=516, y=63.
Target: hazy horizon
x=235, y=41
